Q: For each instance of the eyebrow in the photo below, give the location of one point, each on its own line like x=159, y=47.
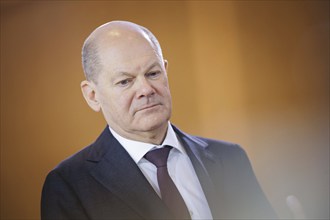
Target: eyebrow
x=124, y=73
x=154, y=64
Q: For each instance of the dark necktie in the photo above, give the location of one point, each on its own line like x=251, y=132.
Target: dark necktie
x=170, y=194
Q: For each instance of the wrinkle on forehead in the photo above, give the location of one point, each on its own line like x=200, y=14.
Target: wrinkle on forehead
x=127, y=50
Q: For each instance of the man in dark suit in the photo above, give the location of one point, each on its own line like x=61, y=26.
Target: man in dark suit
x=142, y=166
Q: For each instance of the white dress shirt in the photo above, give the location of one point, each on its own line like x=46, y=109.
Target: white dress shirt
x=179, y=167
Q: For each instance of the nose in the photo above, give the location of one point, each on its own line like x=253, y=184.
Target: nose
x=144, y=89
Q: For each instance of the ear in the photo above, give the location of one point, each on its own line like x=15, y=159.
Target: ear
x=89, y=92
x=165, y=64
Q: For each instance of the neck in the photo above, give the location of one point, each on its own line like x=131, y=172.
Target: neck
x=154, y=136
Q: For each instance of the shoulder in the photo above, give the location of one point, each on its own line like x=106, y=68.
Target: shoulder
x=83, y=159
x=224, y=150
x=70, y=167
x=227, y=151
x=209, y=143
x=222, y=146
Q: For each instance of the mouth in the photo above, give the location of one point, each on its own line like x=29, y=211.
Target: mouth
x=148, y=107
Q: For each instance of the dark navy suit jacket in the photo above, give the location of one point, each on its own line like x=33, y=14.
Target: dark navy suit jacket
x=103, y=182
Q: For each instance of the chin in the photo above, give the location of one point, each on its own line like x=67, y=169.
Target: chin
x=153, y=124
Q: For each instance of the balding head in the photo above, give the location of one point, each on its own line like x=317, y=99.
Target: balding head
x=115, y=36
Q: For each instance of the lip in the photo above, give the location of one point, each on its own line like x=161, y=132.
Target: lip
x=147, y=107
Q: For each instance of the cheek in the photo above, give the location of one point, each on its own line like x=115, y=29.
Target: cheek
x=123, y=103
x=163, y=87
x=166, y=91
x=111, y=103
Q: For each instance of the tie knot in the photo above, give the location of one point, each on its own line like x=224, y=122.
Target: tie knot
x=159, y=156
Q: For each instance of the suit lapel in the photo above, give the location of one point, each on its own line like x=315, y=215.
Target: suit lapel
x=206, y=165
x=117, y=171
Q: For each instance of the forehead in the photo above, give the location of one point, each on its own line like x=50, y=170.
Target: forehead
x=128, y=55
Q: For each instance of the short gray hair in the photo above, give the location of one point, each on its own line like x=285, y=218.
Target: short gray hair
x=91, y=61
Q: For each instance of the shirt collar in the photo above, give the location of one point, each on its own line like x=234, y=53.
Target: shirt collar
x=137, y=149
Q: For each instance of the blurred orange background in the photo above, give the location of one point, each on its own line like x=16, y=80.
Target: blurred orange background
x=251, y=72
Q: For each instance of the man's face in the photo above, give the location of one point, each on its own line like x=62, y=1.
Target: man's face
x=133, y=88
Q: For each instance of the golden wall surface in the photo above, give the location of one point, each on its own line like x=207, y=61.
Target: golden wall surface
x=251, y=72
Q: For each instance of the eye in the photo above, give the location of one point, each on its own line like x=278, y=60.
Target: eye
x=124, y=82
x=153, y=75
